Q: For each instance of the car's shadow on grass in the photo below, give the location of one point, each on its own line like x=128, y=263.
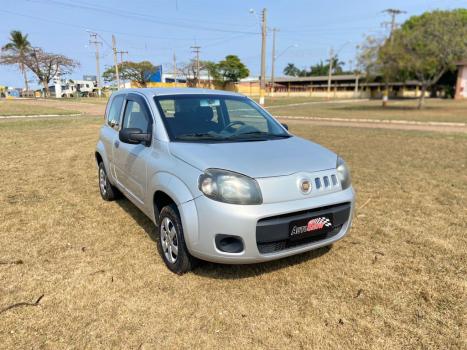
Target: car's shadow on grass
x=223, y=271
x=141, y=219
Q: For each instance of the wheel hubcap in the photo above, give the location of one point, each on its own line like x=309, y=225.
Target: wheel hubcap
x=169, y=240
x=102, y=181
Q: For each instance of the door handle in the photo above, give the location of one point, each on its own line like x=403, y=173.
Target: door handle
x=116, y=143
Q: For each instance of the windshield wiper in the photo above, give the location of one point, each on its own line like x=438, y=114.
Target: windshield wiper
x=258, y=133
x=198, y=136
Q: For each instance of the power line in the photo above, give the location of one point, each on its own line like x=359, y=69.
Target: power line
x=127, y=14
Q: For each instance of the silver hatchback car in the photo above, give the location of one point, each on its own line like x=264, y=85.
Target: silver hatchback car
x=221, y=179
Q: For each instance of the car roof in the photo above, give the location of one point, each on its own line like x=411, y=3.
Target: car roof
x=150, y=92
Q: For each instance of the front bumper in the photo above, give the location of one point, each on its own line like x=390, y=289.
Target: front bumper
x=204, y=218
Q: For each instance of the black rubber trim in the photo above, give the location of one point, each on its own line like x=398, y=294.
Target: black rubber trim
x=276, y=228
x=265, y=248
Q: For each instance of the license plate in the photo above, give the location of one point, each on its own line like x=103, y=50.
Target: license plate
x=309, y=227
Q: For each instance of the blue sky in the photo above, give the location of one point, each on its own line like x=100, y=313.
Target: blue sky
x=154, y=30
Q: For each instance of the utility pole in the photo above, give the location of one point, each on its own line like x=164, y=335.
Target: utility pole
x=175, y=69
x=393, y=13
x=331, y=60
x=262, y=83
x=121, y=55
x=114, y=49
x=121, y=52
x=93, y=40
x=196, y=51
x=273, y=63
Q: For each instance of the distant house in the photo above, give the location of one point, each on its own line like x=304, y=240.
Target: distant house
x=461, y=85
x=72, y=88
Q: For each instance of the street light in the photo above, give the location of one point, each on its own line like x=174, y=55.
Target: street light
x=331, y=61
x=287, y=48
x=274, y=57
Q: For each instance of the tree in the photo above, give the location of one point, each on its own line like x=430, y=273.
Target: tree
x=138, y=72
x=189, y=70
x=47, y=65
x=367, y=57
x=377, y=66
x=319, y=69
x=15, y=53
x=337, y=65
x=426, y=47
x=291, y=70
x=230, y=70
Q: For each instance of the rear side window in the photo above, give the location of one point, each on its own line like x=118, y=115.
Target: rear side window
x=113, y=117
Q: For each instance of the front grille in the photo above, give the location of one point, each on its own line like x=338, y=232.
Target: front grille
x=277, y=246
x=326, y=182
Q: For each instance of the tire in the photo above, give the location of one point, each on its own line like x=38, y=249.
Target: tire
x=107, y=190
x=171, y=242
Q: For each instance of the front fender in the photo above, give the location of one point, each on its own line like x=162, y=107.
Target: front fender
x=183, y=198
x=172, y=186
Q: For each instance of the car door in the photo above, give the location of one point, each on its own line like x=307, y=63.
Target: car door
x=130, y=159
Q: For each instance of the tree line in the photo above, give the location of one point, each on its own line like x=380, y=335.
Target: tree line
x=45, y=65
x=319, y=69
x=229, y=70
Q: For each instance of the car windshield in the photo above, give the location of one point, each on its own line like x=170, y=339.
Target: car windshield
x=216, y=118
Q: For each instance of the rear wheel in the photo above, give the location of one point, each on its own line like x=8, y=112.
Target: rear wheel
x=171, y=243
x=107, y=190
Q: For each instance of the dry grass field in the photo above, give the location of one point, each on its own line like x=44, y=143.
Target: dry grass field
x=398, y=280
x=30, y=107
x=435, y=110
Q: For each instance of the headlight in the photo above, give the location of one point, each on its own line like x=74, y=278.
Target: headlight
x=343, y=173
x=229, y=187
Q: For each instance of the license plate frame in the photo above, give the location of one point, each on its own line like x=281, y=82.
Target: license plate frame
x=311, y=226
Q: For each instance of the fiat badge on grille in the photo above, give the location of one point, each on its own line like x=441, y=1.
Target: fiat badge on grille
x=305, y=186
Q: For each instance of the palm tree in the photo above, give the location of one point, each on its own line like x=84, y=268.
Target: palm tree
x=18, y=47
x=337, y=65
x=291, y=70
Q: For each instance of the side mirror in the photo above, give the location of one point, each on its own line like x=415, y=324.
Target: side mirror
x=285, y=126
x=134, y=136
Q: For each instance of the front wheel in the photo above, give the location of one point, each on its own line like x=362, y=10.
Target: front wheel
x=171, y=243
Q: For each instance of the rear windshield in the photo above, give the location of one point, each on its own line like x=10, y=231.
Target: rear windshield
x=216, y=118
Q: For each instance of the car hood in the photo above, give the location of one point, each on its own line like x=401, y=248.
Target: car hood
x=257, y=158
